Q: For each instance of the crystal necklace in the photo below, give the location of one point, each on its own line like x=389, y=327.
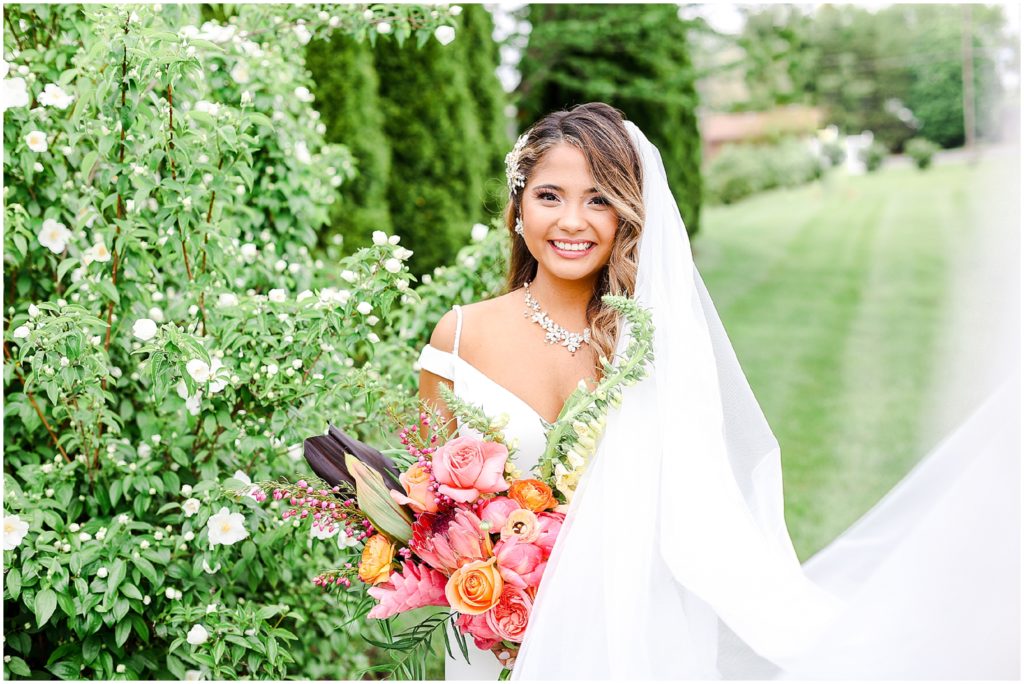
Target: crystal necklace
x=555, y=332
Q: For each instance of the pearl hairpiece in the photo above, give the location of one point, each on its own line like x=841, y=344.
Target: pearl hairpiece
x=516, y=179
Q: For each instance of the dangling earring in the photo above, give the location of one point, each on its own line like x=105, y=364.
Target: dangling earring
x=519, y=226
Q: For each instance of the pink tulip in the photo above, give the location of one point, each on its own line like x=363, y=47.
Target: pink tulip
x=466, y=467
x=521, y=564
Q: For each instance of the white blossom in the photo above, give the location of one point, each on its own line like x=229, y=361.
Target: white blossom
x=384, y=27
x=455, y=10
x=193, y=675
x=120, y=668
x=197, y=635
x=392, y=265
x=190, y=506
x=15, y=530
x=156, y=313
x=144, y=450
x=36, y=141
x=305, y=294
x=33, y=310
x=210, y=108
x=318, y=531
x=21, y=332
x=364, y=308
x=101, y=573
x=54, y=96
x=54, y=236
x=302, y=94
x=380, y=237
x=226, y=527
x=277, y=295
x=240, y=72
x=199, y=370
x=227, y=299
x=98, y=252
x=144, y=329
x=14, y=93
x=348, y=276
x=302, y=152
x=303, y=34
x=479, y=232
x=444, y=34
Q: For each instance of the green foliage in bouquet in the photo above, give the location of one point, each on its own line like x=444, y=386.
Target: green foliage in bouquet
x=170, y=335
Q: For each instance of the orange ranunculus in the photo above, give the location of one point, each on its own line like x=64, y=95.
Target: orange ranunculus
x=475, y=588
x=375, y=565
x=532, y=494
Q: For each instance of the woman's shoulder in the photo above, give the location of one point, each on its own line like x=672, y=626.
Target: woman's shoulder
x=485, y=314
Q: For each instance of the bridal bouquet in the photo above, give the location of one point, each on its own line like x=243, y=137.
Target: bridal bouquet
x=457, y=525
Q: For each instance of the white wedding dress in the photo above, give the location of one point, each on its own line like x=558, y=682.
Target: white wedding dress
x=524, y=424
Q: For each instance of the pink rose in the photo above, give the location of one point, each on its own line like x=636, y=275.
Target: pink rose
x=508, y=619
x=466, y=467
x=416, y=482
x=478, y=627
x=496, y=511
x=550, y=524
x=521, y=564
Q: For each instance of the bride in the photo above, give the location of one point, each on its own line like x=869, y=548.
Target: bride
x=674, y=560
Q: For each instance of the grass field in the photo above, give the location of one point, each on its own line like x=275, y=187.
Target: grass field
x=835, y=296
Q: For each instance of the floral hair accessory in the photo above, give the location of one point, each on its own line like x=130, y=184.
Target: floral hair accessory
x=516, y=179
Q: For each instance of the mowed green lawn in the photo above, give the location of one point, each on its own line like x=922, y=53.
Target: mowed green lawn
x=834, y=298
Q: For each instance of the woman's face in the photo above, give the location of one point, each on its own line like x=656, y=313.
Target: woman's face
x=568, y=226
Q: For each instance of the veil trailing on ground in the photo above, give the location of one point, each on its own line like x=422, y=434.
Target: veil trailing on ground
x=674, y=560
x=677, y=525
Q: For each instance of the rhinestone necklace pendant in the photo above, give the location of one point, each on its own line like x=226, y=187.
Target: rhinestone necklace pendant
x=556, y=334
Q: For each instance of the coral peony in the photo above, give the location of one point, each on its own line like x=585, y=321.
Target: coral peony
x=532, y=494
x=478, y=628
x=466, y=467
x=550, y=525
x=475, y=587
x=510, y=614
x=521, y=564
x=497, y=510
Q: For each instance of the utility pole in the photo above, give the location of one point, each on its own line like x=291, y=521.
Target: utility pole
x=967, y=52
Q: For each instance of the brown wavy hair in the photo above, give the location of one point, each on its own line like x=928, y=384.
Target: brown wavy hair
x=597, y=129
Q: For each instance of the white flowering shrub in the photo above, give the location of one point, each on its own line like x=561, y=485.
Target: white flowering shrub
x=169, y=337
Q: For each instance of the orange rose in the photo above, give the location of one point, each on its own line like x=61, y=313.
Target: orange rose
x=475, y=588
x=375, y=565
x=532, y=494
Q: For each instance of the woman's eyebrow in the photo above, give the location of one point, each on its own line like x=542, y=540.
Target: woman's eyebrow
x=559, y=189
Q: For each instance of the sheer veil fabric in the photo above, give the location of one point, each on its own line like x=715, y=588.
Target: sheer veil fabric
x=678, y=523
x=675, y=560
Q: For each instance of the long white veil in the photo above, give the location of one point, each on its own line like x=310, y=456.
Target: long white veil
x=674, y=560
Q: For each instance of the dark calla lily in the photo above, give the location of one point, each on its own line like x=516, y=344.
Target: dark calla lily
x=326, y=456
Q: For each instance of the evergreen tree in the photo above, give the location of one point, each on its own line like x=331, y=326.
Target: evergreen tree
x=632, y=57
x=347, y=99
x=482, y=58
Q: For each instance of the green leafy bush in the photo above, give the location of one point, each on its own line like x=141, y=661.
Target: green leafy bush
x=171, y=336
x=921, y=151
x=742, y=170
x=873, y=155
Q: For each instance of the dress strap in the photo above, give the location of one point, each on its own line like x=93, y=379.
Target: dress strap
x=458, y=328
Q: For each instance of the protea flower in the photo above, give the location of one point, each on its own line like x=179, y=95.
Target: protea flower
x=450, y=538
